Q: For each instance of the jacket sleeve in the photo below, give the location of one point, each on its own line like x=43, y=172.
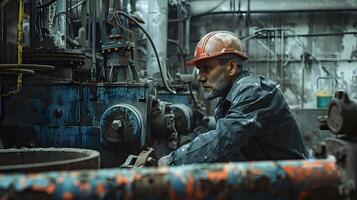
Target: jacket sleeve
x=244, y=118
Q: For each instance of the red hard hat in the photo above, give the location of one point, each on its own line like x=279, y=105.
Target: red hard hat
x=218, y=43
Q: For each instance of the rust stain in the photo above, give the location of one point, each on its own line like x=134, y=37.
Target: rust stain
x=49, y=189
x=60, y=180
x=121, y=180
x=23, y=182
x=190, y=185
x=68, y=196
x=293, y=173
x=330, y=166
x=303, y=195
x=38, y=188
x=201, y=192
x=217, y=175
x=83, y=186
x=255, y=172
x=172, y=193
x=33, y=175
x=137, y=176
x=100, y=188
x=307, y=179
x=320, y=170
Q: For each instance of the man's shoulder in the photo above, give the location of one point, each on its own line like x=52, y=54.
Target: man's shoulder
x=254, y=81
x=250, y=85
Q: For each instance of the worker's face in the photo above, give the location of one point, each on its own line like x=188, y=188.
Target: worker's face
x=216, y=78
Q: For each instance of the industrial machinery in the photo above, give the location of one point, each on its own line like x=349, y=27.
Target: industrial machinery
x=87, y=74
x=331, y=176
x=341, y=120
x=69, y=94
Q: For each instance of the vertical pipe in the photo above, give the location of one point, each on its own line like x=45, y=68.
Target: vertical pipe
x=239, y=17
x=82, y=32
x=133, y=5
x=2, y=24
x=181, y=29
x=1, y=105
x=2, y=38
x=20, y=32
x=125, y=6
x=157, y=28
x=64, y=24
x=67, y=8
x=275, y=74
x=303, y=81
x=19, y=45
x=247, y=24
x=110, y=9
x=282, y=48
x=125, y=20
x=248, y=14
x=6, y=56
x=93, y=31
x=269, y=64
x=60, y=25
x=233, y=14
x=32, y=21
x=187, y=35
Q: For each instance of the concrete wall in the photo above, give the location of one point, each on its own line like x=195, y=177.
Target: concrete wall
x=324, y=29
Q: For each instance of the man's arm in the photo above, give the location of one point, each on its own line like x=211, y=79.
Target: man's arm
x=244, y=119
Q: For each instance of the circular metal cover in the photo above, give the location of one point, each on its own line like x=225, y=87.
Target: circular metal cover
x=72, y=58
x=47, y=159
x=183, y=118
x=121, y=123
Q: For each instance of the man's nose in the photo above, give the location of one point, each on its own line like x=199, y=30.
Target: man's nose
x=201, y=78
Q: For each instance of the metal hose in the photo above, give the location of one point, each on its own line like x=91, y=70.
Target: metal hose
x=152, y=44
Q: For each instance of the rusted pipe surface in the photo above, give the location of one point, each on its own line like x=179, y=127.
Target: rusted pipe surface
x=318, y=179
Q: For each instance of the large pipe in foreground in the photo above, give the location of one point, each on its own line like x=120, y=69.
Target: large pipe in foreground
x=317, y=179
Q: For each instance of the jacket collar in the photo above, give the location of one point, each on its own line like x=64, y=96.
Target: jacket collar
x=232, y=92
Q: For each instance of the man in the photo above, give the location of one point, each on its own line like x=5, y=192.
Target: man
x=254, y=121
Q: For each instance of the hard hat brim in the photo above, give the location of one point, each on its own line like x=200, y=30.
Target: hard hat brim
x=193, y=62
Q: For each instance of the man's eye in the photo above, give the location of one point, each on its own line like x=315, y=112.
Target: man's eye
x=209, y=69
x=206, y=69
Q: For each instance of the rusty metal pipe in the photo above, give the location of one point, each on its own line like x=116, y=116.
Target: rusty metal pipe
x=314, y=179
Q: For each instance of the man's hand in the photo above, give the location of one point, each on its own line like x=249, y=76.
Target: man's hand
x=163, y=161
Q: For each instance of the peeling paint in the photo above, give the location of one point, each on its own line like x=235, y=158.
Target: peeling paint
x=313, y=179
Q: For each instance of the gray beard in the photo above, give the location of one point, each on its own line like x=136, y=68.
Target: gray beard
x=219, y=91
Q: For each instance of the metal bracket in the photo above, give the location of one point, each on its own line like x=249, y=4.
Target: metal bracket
x=145, y=158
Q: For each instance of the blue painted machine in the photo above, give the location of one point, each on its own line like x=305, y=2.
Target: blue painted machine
x=97, y=103
x=81, y=115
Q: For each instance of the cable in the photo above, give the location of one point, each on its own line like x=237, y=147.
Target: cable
x=182, y=54
x=152, y=44
x=194, y=99
x=189, y=84
x=178, y=45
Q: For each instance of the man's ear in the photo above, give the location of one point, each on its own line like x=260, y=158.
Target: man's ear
x=233, y=68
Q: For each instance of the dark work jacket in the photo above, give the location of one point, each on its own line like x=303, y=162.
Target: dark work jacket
x=254, y=122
